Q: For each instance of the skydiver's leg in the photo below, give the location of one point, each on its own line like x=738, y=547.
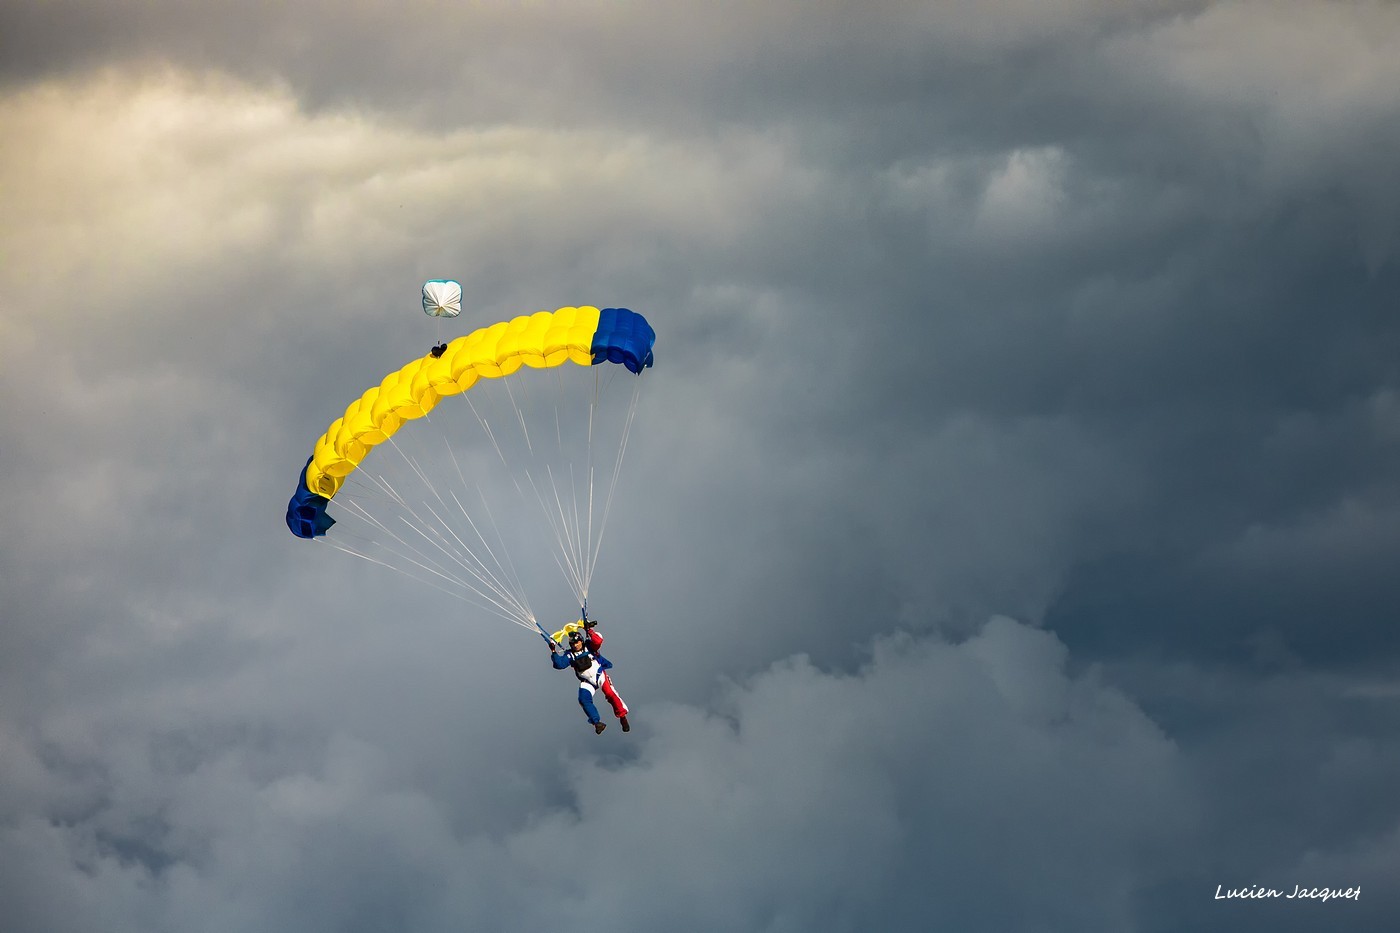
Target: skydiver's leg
x=619, y=708
x=585, y=699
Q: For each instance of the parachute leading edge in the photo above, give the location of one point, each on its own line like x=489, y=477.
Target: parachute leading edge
x=584, y=335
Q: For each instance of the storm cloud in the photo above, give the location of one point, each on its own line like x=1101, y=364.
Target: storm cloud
x=1005, y=540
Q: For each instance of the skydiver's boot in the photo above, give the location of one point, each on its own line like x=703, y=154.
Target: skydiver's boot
x=598, y=727
x=626, y=726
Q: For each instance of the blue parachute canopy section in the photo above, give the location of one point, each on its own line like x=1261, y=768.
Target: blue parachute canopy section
x=624, y=337
x=306, y=512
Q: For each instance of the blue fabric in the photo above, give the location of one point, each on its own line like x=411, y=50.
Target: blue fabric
x=585, y=696
x=585, y=699
x=306, y=511
x=624, y=337
x=562, y=661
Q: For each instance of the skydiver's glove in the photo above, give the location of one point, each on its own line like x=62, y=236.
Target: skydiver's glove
x=590, y=623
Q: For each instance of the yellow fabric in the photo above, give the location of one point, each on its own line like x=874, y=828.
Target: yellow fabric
x=563, y=634
x=543, y=339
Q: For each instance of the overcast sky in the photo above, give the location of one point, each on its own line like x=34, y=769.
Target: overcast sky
x=1007, y=537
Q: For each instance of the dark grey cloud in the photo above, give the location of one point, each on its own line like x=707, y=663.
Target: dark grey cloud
x=1063, y=312
x=955, y=773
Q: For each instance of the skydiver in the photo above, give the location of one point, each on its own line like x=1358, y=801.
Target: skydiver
x=591, y=669
x=438, y=350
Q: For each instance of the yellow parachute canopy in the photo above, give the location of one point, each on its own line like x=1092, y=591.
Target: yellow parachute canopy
x=543, y=339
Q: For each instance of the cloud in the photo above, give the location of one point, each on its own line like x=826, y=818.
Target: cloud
x=1072, y=312
x=965, y=783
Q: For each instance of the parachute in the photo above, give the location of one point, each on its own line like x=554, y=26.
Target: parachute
x=500, y=397
x=442, y=298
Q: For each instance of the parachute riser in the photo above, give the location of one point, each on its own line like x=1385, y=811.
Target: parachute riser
x=545, y=635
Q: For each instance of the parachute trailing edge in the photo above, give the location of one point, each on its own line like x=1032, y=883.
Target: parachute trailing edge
x=584, y=335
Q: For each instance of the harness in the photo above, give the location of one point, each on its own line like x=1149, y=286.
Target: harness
x=582, y=662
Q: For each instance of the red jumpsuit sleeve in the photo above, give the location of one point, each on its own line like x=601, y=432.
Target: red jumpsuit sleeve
x=595, y=641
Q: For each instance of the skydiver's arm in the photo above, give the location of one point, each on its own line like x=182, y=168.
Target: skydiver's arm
x=595, y=640
x=560, y=661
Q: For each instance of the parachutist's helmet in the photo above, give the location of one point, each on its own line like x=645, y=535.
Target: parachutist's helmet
x=575, y=636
